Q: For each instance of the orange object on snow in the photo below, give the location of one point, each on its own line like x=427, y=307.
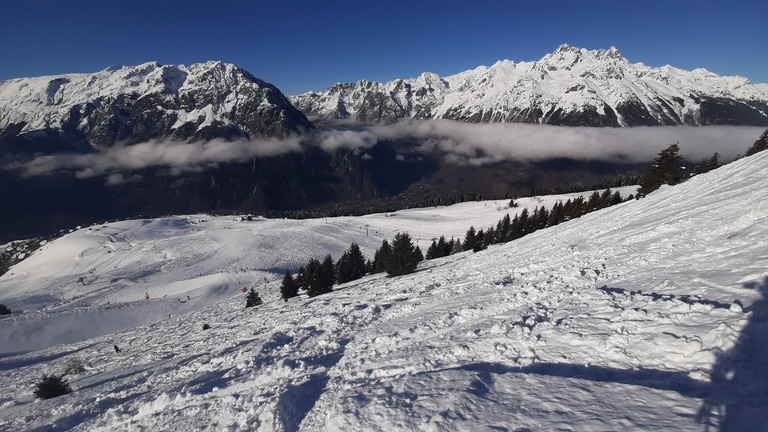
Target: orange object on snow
x=244, y=289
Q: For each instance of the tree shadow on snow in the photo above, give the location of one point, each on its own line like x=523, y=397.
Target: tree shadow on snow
x=738, y=396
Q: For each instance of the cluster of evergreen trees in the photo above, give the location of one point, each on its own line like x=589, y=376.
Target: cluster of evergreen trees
x=508, y=229
x=399, y=258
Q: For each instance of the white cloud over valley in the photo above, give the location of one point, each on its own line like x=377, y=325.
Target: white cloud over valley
x=461, y=143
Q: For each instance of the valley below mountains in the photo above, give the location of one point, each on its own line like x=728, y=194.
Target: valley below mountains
x=154, y=139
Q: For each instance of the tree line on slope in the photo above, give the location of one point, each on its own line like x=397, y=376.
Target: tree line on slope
x=668, y=168
x=401, y=256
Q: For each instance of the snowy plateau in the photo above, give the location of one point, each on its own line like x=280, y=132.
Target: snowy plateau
x=571, y=86
x=648, y=315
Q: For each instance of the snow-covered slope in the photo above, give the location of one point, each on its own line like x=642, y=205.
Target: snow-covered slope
x=649, y=315
x=149, y=101
x=571, y=86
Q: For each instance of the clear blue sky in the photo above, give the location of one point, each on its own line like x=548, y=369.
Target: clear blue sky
x=310, y=45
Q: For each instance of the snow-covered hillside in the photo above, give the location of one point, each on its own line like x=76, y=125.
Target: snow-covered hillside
x=571, y=86
x=649, y=315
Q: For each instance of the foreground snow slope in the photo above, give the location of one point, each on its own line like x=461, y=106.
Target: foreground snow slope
x=649, y=315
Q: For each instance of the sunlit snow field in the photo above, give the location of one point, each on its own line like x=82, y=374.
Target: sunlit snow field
x=648, y=315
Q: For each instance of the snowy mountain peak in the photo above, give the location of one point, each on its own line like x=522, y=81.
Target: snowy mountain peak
x=148, y=101
x=570, y=86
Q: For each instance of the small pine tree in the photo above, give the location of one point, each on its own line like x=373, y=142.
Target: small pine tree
x=51, y=386
x=320, y=276
x=594, y=201
x=759, y=145
x=479, y=241
x=708, y=164
x=418, y=255
x=557, y=214
x=301, y=279
x=470, y=239
x=404, y=256
x=327, y=273
x=616, y=198
x=289, y=288
x=504, y=230
x=4, y=310
x=432, y=251
x=252, y=299
x=351, y=266
x=457, y=246
x=381, y=256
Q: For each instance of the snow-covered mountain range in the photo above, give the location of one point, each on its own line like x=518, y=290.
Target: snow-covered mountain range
x=149, y=101
x=571, y=86
x=649, y=315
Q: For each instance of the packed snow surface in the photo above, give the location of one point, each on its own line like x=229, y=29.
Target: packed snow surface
x=649, y=315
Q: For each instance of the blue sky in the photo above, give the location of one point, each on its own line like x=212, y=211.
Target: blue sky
x=310, y=45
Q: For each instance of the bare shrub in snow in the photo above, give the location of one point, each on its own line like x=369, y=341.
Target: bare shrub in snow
x=74, y=366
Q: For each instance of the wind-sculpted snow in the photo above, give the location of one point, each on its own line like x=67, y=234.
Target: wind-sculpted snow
x=648, y=315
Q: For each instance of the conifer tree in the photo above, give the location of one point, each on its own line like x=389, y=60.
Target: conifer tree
x=432, y=251
x=252, y=299
x=404, y=256
x=418, y=255
x=442, y=247
x=289, y=288
x=470, y=239
x=557, y=215
x=504, y=229
x=523, y=222
x=51, y=386
x=616, y=199
x=605, y=198
x=321, y=276
x=759, y=145
x=708, y=164
x=667, y=168
x=301, y=278
x=381, y=256
x=351, y=265
x=457, y=247
x=479, y=242
x=594, y=201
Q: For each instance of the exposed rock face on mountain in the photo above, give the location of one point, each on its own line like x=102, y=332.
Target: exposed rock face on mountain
x=571, y=86
x=150, y=101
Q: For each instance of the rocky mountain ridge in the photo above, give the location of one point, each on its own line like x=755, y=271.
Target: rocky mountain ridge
x=131, y=104
x=571, y=86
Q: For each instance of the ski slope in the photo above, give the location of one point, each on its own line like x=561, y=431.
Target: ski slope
x=649, y=315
